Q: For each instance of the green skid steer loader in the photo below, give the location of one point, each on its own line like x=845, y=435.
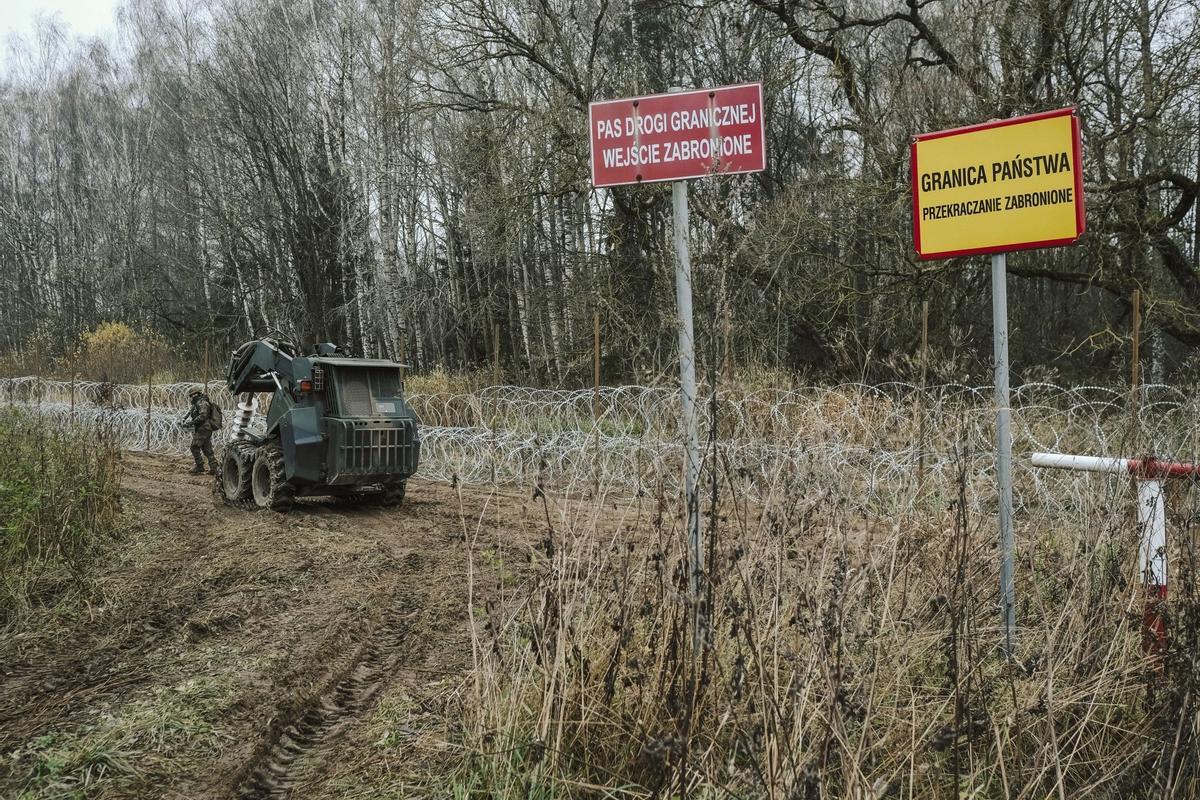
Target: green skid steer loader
x=337, y=425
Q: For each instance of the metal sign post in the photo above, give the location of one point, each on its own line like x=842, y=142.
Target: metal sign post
x=673, y=137
x=687, y=393
x=1003, y=445
x=1004, y=185
x=681, y=226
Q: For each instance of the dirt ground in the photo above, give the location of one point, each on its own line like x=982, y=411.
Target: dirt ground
x=230, y=653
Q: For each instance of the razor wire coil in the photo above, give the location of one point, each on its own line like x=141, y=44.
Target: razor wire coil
x=879, y=440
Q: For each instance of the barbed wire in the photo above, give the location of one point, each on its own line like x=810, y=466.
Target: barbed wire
x=1046, y=416
x=881, y=444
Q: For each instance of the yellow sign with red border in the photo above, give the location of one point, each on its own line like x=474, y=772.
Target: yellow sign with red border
x=1013, y=184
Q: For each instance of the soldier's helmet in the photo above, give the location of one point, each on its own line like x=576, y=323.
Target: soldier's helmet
x=195, y=393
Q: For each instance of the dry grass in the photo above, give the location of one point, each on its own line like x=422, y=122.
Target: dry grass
x=850, y=639
x=58, y=500
x=444, y=382
x=845, y=654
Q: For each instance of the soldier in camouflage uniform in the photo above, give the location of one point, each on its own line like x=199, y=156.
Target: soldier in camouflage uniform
x=198, y=420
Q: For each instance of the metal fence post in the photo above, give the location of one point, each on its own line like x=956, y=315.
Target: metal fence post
x=1003, y=446
x=687, y=391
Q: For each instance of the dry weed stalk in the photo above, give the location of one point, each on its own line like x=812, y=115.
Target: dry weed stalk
x=851, y=651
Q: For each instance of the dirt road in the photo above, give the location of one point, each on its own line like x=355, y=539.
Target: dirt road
x=238, y=654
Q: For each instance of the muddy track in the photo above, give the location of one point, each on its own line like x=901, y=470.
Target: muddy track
x=292, y=754
x=50, y=690
x=49, y=687
x=222, y=653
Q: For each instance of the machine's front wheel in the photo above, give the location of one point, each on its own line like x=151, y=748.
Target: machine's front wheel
x=269, y=482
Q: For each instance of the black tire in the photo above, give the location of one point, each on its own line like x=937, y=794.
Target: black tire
x=233, y=479
x=393, y=495
x=268, y=482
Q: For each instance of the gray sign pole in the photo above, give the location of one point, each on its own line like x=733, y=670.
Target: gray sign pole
x=1003, y=445
x=687, y=387
x=687, y=395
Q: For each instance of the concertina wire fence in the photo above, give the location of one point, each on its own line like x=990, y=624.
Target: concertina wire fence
x=882, y=445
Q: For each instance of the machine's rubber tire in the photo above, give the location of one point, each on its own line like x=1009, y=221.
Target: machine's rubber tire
x=268, y=481
x=393, y=495
x=233, y=480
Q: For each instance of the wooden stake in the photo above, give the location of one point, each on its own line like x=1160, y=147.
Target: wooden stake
x=596, y=401
x=727, y=331
x=596, y=364
x=495, y=382
x=496, y=354
x=206, y=372
x=924, y=341
x=149, y=402
x=919, y=408
x=402, y=353
x=1135, y=371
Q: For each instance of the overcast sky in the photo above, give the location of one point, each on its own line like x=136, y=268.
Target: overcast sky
x=82, y=17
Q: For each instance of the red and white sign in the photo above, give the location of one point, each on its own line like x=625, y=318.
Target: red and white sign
x=671, y=137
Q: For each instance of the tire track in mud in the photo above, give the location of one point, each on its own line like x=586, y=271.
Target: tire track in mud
x=35, y=694
x=284, y=761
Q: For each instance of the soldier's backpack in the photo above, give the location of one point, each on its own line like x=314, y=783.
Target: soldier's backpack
x=215, y=419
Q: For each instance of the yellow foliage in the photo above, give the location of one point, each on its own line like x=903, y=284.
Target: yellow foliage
x=116, y=352
x=108, y=336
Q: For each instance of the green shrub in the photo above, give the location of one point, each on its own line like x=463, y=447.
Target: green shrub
x=59, y=495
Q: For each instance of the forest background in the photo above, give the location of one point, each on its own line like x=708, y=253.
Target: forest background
x=411, y=178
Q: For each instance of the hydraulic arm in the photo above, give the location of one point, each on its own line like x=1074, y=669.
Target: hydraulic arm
x=263, y=365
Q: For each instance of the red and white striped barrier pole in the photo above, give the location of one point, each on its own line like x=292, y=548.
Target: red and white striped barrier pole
x=1152, y=519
